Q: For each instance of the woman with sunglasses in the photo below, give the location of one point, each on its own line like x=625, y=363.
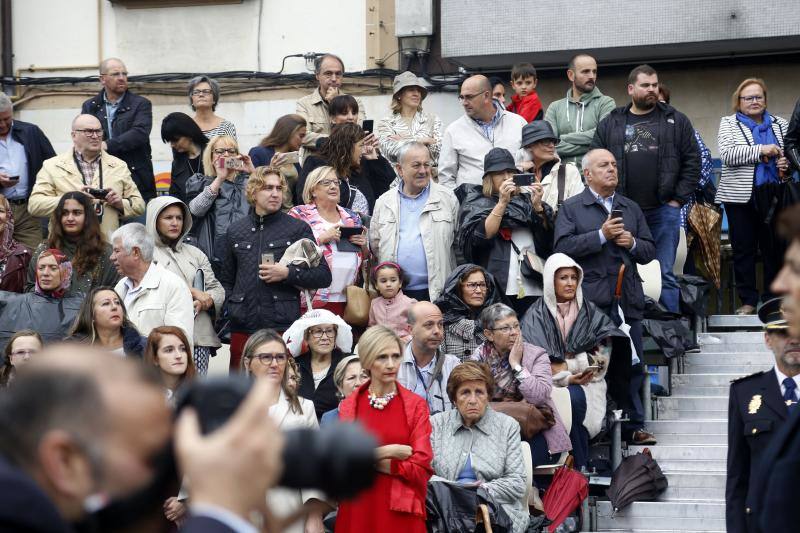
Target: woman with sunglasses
x=217, y=199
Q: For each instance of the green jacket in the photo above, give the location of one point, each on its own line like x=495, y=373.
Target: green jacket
x=575, y=122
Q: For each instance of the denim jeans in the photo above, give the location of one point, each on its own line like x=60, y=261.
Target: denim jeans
x=665, y=224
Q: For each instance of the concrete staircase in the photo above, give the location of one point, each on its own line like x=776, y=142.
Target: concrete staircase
x=691, y=427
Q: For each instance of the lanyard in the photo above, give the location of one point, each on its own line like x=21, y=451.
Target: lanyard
x=99, y=168
x=437, y=376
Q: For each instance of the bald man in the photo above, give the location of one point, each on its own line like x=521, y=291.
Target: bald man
x=83, y=167
x=426, y=368
x=80, y=425
x=127, y=119
x=485, y=125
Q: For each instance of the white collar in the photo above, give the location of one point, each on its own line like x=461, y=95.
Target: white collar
x=781, y=376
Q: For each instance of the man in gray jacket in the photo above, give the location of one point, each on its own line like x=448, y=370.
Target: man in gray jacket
x=575, y=117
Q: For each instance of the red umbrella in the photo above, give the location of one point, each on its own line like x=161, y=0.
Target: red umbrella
x=566, y=492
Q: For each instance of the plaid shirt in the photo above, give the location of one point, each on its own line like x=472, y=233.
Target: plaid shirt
x=462, y=337
x=87, y=168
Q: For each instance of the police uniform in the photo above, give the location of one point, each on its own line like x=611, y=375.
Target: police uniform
x=756, y=411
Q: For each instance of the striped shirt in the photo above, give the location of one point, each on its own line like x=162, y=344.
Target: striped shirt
x=225, y=128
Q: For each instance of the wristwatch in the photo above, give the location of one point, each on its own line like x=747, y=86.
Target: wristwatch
x=517, y=369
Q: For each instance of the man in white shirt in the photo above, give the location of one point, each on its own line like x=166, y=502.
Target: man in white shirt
x=485, y=125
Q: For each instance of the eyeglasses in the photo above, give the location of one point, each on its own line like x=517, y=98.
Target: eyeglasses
x=476, y=286
x=226, y=151
x=269, y=358
x=91, y=133
x=328, y=183
x=318, y=333
x=462, y=97
x=754, y=98
x=507, y=329
x=23, y=353
x=202, y=92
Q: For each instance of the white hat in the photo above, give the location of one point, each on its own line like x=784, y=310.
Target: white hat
x=294, y=336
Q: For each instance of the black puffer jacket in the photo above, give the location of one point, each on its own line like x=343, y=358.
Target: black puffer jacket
x=678, y=153
x=251, y=303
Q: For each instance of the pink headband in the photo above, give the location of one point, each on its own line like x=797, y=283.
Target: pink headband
x=387, y=264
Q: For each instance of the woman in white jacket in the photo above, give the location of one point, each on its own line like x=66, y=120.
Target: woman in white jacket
x=265, y=356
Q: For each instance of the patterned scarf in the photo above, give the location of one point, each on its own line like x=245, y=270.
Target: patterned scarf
x=505, y=386
x=64, y=266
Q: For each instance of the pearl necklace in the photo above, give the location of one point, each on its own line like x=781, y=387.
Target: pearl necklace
x=380, y=402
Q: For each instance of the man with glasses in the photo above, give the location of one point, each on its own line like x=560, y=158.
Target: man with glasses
x=485, y=125
x=87, y=167
x=426, y=368
x=659, y=166
x=329, y=71
x=414, y=225
x=127, y=119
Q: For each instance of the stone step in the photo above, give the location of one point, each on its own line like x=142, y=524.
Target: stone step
x=693, y=465
x=699, y=439
x=696, y=480
x=726, y=368
x=730, y=337
x=692, y=403
x=735, y=321
x=735, y=347
x=713, y=452
x=702, y=414
x=680, y=516
x=703, y=380
x=685, y=390
x=731, y=358
x=716, y=494
x=679, y=427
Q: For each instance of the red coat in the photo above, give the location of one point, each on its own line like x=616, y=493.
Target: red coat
x=529, y=107
x=409, y=477
x=12, y=279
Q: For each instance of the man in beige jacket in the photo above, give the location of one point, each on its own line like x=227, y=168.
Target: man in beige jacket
x=329, y=71
x=86, y=166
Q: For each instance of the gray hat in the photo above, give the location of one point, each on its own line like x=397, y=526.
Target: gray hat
x=498, y=160
x=407, y=79
x=536, y=131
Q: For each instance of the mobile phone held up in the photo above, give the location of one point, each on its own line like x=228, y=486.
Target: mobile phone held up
x=267, y=259
x=291, y=158
x=234, y=163
x=347, y=232
x=616, y=213
x=524, y=180
x=368, y=125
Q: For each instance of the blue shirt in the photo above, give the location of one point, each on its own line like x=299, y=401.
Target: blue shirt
x=111, y=111
x=14, y=162
x=488, y=127
x=410, y=251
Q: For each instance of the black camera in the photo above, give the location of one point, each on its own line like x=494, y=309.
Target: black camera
x=338, y=459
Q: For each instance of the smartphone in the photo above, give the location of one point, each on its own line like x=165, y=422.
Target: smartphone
x=348, y=232
x=100, y=194
x=368, y=126
x=291, y=158
x=616, y=213
x=593, y=368
x=234, y=163
x=13, y=178
x=267, y=259
x=524, y=180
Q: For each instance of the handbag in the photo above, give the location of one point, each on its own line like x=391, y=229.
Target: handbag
x=532, y=419
x=358, y=301
x=530, y=265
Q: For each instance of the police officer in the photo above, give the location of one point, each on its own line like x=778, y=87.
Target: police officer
x=759, y=405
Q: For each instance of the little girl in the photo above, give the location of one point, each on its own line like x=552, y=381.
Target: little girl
x=390, y=309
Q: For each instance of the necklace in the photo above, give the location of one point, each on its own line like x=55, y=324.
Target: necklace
x=380, y=402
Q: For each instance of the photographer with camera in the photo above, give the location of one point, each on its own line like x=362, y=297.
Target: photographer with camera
x=87, y=167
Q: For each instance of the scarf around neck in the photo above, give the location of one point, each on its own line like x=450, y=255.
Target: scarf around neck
x=566, y=316
x=766, y=172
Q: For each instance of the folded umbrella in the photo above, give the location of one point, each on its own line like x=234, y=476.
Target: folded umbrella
x=566, y=492
x=706, y=222
x=637, y=479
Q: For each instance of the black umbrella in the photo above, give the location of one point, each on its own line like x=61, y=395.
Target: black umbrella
x=638, y=478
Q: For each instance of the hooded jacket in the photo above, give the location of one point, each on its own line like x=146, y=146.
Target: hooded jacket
x=575, y=122
x=591, y=327
x=462, y=326
x=186, y=261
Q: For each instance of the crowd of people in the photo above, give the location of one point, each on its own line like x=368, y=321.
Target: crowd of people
x=476, y=271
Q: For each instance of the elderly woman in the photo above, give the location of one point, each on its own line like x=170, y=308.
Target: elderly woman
x=539, y=141
x=504, y=229
x=751, y=148
x=75, y=230
x=187, y=142
x=468, y=290
x=217, y=199
x=326, y=217
x=363, y=173
x=475, y=445
x=279, y=150
x=204, y=97
x=399, y=420
x=408, y=122
x=21, y=346
x=103, y=322
x=347, y=377
x=521, y=371
x=49, y=309
x=579, y=339
x=169, y=222
x=14, y=256
x=265, y=356
x=318, y=340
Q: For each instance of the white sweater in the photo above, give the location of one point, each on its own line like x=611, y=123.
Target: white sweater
x=464, y=147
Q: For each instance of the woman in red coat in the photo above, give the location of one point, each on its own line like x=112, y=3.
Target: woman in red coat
x=14, y=257
x=399, y=419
